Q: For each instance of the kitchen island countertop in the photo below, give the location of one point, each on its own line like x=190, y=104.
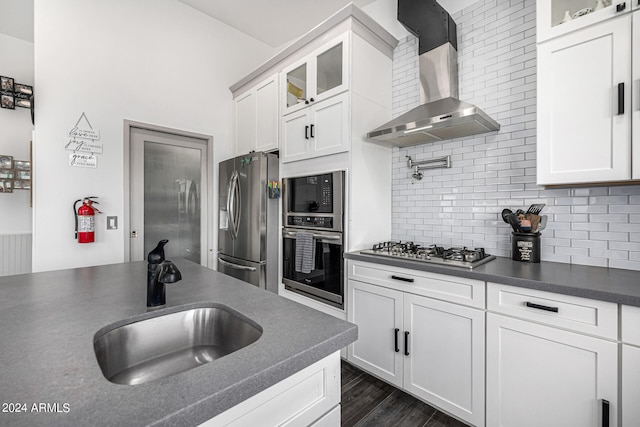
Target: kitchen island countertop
x=48, y=322
x=604, y=284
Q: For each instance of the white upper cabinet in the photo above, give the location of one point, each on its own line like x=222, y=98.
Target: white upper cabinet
x=319, y=130
x=552, y=15
x=256, y=118
x=584, y=104
x=319, y=75
x=635, y=90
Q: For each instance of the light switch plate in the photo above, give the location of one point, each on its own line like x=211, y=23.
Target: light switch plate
x=112, y=223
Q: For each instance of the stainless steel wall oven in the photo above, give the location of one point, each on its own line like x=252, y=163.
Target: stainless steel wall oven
x=313, y=251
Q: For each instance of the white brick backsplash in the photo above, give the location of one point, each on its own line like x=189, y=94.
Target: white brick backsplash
x=461, y=206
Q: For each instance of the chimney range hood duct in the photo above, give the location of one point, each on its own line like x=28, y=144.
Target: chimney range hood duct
x=440, y=115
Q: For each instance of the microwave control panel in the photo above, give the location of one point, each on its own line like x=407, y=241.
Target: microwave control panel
x=327, y=191
x=310, y=221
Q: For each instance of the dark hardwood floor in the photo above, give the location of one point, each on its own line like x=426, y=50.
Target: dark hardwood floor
x=367, y=401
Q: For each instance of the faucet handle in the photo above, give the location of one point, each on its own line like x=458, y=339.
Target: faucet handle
x=156, y=256
x=169, y=273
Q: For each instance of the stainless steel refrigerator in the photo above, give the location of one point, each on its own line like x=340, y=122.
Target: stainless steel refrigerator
x=248, y=220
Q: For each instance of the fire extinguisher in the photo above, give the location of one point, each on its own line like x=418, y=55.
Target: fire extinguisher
x=85, y=219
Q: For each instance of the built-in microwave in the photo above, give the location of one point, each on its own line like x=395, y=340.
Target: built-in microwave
x=313, y=215
x=314, y=201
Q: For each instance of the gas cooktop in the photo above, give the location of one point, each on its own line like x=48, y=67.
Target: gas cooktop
x=456, y=256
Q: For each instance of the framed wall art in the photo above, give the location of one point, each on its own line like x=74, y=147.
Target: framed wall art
x=6, y=162
x=22, y=95
x=6, y=186
x=7, y=95
x=6, y=84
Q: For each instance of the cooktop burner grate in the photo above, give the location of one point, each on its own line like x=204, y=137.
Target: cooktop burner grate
x=454, y=256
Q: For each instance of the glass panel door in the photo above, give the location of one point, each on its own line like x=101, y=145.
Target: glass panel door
x=297, y=85
x=168, y=195
x=329, y=69
x=172, y=199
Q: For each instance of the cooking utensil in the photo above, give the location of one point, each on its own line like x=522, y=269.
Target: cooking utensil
x=514, y=222
x=536, y=208
x=535, y=222
x=505, y=214
x=543, y=223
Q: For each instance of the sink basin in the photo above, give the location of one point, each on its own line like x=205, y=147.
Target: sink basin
x=168, y=344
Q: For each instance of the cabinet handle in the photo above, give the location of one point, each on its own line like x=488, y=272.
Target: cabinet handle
x=622, y=6
x=406, y=343
x=306, y=101
x=306, y=132
x=312, y=135
x=605, y=413
x=312, y=100
x=542, y=307
x=404, y=279
x=396, y=340
x=620, y=98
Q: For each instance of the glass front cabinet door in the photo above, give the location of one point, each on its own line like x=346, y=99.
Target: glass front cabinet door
x=559, y=17
x=318, y=76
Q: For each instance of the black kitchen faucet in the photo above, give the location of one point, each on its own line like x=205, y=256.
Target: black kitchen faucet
x=159, y=272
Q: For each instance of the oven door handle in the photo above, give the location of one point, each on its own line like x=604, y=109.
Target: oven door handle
x=236, y=266
x=315, y=236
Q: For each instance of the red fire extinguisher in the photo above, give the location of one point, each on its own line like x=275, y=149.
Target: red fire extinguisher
x=85, y=219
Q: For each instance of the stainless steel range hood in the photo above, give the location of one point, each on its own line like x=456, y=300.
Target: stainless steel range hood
x=440, y=115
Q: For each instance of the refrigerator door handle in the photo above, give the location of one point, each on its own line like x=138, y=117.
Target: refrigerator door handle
x=230, y=205
x=236, y=266
x=232, y=202
x=237, y=211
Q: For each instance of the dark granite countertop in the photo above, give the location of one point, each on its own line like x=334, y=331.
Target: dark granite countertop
x=47, y=327
x=605, y=284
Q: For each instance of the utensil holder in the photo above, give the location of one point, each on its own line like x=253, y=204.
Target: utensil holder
x=525, y=247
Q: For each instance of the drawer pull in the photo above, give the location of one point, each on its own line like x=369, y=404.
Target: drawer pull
x=404, y=279
x=396, y=343
x=406, y=343
x=542, y=307
x=605, y=413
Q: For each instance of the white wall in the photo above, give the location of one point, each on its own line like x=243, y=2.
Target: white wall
x=153, y=61
x=16, y=60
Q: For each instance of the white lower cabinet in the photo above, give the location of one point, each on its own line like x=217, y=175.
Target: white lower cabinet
x=630, y=321
x=444, y=356
x=431, y=348
x=308, y=397
x=630, y=385
x=541, y=375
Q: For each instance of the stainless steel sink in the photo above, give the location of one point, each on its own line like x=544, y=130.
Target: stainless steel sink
x=168, y=344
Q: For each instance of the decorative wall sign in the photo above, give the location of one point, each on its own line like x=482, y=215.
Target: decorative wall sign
x=84, y=146
x=82, y=141
x=83, y=160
